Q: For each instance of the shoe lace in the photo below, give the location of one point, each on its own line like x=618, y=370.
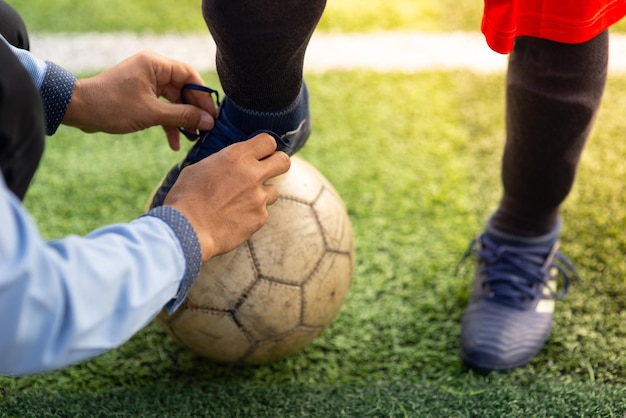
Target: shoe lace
x=223, y=133
x=183, y=99
x=517, y=275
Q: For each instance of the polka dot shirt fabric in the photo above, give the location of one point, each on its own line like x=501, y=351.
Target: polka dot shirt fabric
x=56, y=91
x=191, y=248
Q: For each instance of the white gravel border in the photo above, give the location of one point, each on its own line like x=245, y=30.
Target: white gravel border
x=386, y=51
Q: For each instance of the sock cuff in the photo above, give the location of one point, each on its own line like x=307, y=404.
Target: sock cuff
x=546, y=239
x=280, y=121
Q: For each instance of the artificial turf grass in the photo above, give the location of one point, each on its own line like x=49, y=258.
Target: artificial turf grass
x=394, y=398
x=185, y=16
x=419, y=172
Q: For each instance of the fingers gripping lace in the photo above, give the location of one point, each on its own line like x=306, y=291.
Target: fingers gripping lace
x=214, y=93
x=223, y=134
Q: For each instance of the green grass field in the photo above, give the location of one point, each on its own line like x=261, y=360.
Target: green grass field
x=415, y=157
x=159, y=16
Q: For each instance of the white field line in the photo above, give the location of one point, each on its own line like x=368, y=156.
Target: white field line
x=386, y=51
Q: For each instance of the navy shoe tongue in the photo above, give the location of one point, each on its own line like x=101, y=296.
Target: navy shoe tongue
x=502, y=238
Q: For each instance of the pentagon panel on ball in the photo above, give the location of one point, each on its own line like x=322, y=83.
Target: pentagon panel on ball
x=275, y=293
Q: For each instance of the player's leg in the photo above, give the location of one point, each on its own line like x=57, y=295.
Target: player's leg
x=21, y=111
x=260, y=57
x=261, y=47
x=553, y=92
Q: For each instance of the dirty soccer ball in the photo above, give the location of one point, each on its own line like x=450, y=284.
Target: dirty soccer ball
x=274, y=294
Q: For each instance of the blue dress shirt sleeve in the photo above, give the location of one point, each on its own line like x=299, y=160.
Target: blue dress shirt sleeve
x=64, y=301
x=55, y=84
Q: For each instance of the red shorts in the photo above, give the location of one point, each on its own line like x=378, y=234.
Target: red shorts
x=566, y=21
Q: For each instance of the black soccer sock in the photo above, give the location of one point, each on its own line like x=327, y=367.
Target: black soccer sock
x=261, y=47
x=553, y=92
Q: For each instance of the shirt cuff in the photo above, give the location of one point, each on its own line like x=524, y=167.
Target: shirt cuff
x=191, y=248
x=56, y=91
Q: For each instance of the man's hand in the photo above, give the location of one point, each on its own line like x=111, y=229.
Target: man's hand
x=125, y=99
x=225, y=197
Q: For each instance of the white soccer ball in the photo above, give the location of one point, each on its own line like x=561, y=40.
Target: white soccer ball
x=274, y=294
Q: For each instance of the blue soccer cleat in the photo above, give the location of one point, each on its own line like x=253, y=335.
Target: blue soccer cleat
x=223, y=134
x=509, y=317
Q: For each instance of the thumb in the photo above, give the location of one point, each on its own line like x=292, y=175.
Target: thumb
x=186, y=116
